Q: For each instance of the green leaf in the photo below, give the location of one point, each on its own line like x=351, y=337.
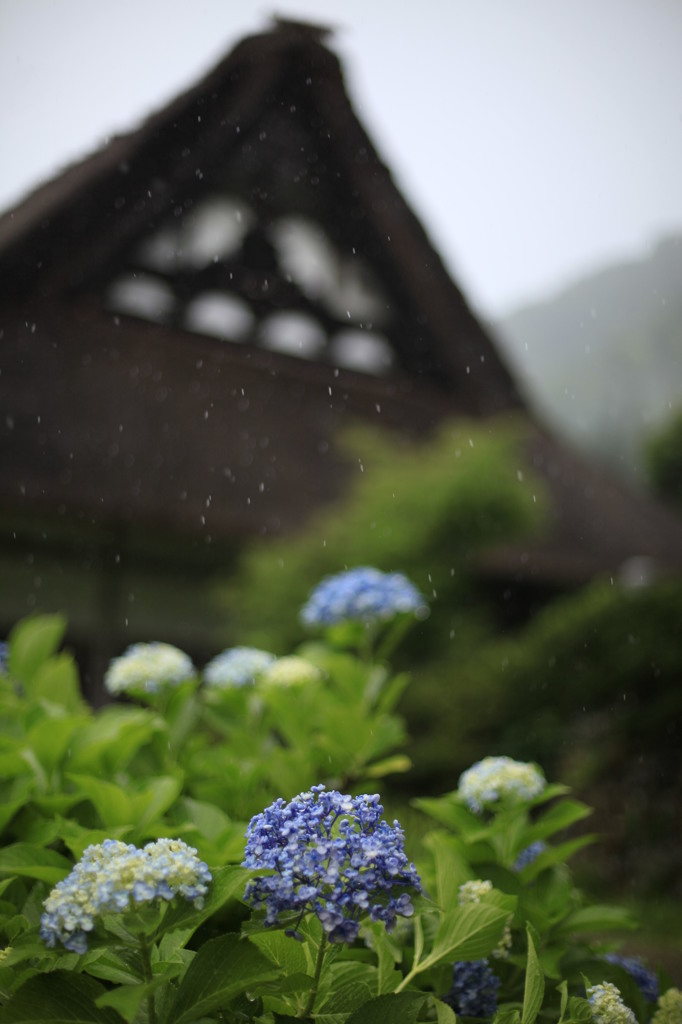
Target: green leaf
x=60, y=997
x=558, y=854
x=402, y=1008
x=222, y=969
x=347, y=986
x=78, y=838
x=388, y=953
x=34, y=862
x=451, y=868
x=112, y=738
x=392, y=692
x=389, y=766
x=508, y=1015
x=228, y=883
x=31, y=643
x=596, y=918
x=562, y=989
x=467, y=933
x=56, y=680
x=8, y=810
x=444, y=1013
x=534, y=989
x=210, y=820
x=6, y=882
x=112, y=802
x=551, y=790
x=50, y=737
x=118, y=807
x=282, y=950
x=557, y=818
x=448, y=811
x=127, y=999
x=103, y=963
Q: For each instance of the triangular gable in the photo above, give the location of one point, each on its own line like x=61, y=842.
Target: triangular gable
x=255, y=209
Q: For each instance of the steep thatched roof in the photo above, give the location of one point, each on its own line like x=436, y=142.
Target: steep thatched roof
x=149, y=378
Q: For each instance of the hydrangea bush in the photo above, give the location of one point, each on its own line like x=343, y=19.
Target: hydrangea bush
x=284, y=893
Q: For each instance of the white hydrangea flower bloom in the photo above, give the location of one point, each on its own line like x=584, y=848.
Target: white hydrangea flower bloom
x=148, y=668
x=499, y=778
x=113, y=877
x=608, y=1006
x=291, y=671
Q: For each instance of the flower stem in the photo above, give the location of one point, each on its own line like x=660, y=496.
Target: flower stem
x=148, y=976
x=308, y=1009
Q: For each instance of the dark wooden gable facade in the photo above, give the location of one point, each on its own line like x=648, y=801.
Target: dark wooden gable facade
x=190, y=315
x=241, y=271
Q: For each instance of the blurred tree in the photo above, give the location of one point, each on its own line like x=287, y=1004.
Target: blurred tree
x=421, y=508
x=664, y=460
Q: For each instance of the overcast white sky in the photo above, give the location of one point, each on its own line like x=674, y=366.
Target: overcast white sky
x=536, y=139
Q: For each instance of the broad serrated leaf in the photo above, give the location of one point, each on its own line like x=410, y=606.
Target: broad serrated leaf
x=450, y=866
x=60, y=997
x=444, y=1013
x=557, y=818
x=402, y=1008
x=113, y=803
x=111, y=739
x=449, y=811
x=348, y=985
x=558, y=854
x=388, y=953
x=284, y=951
x=228, y=883
x=34, y=862
x=222, y=969
x=108, y=966
x=467, y=933
x=127, y=999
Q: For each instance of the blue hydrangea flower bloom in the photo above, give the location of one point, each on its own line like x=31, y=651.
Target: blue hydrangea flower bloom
x=237, y=666
x=499, y=779
x=363, y=594
x=148, y=668
x=333, y=855
x=4, y=657
x=530, y=854
x=608, y=1006
x=113, y=877
x=474, y=989
x=634, y=965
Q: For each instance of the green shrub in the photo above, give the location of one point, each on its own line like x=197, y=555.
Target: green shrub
x=663, y=455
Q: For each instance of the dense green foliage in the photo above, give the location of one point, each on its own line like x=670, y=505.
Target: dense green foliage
x=72, y=776
x=423, y=508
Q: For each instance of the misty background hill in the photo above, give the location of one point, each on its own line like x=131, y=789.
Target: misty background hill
x=601, y=361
